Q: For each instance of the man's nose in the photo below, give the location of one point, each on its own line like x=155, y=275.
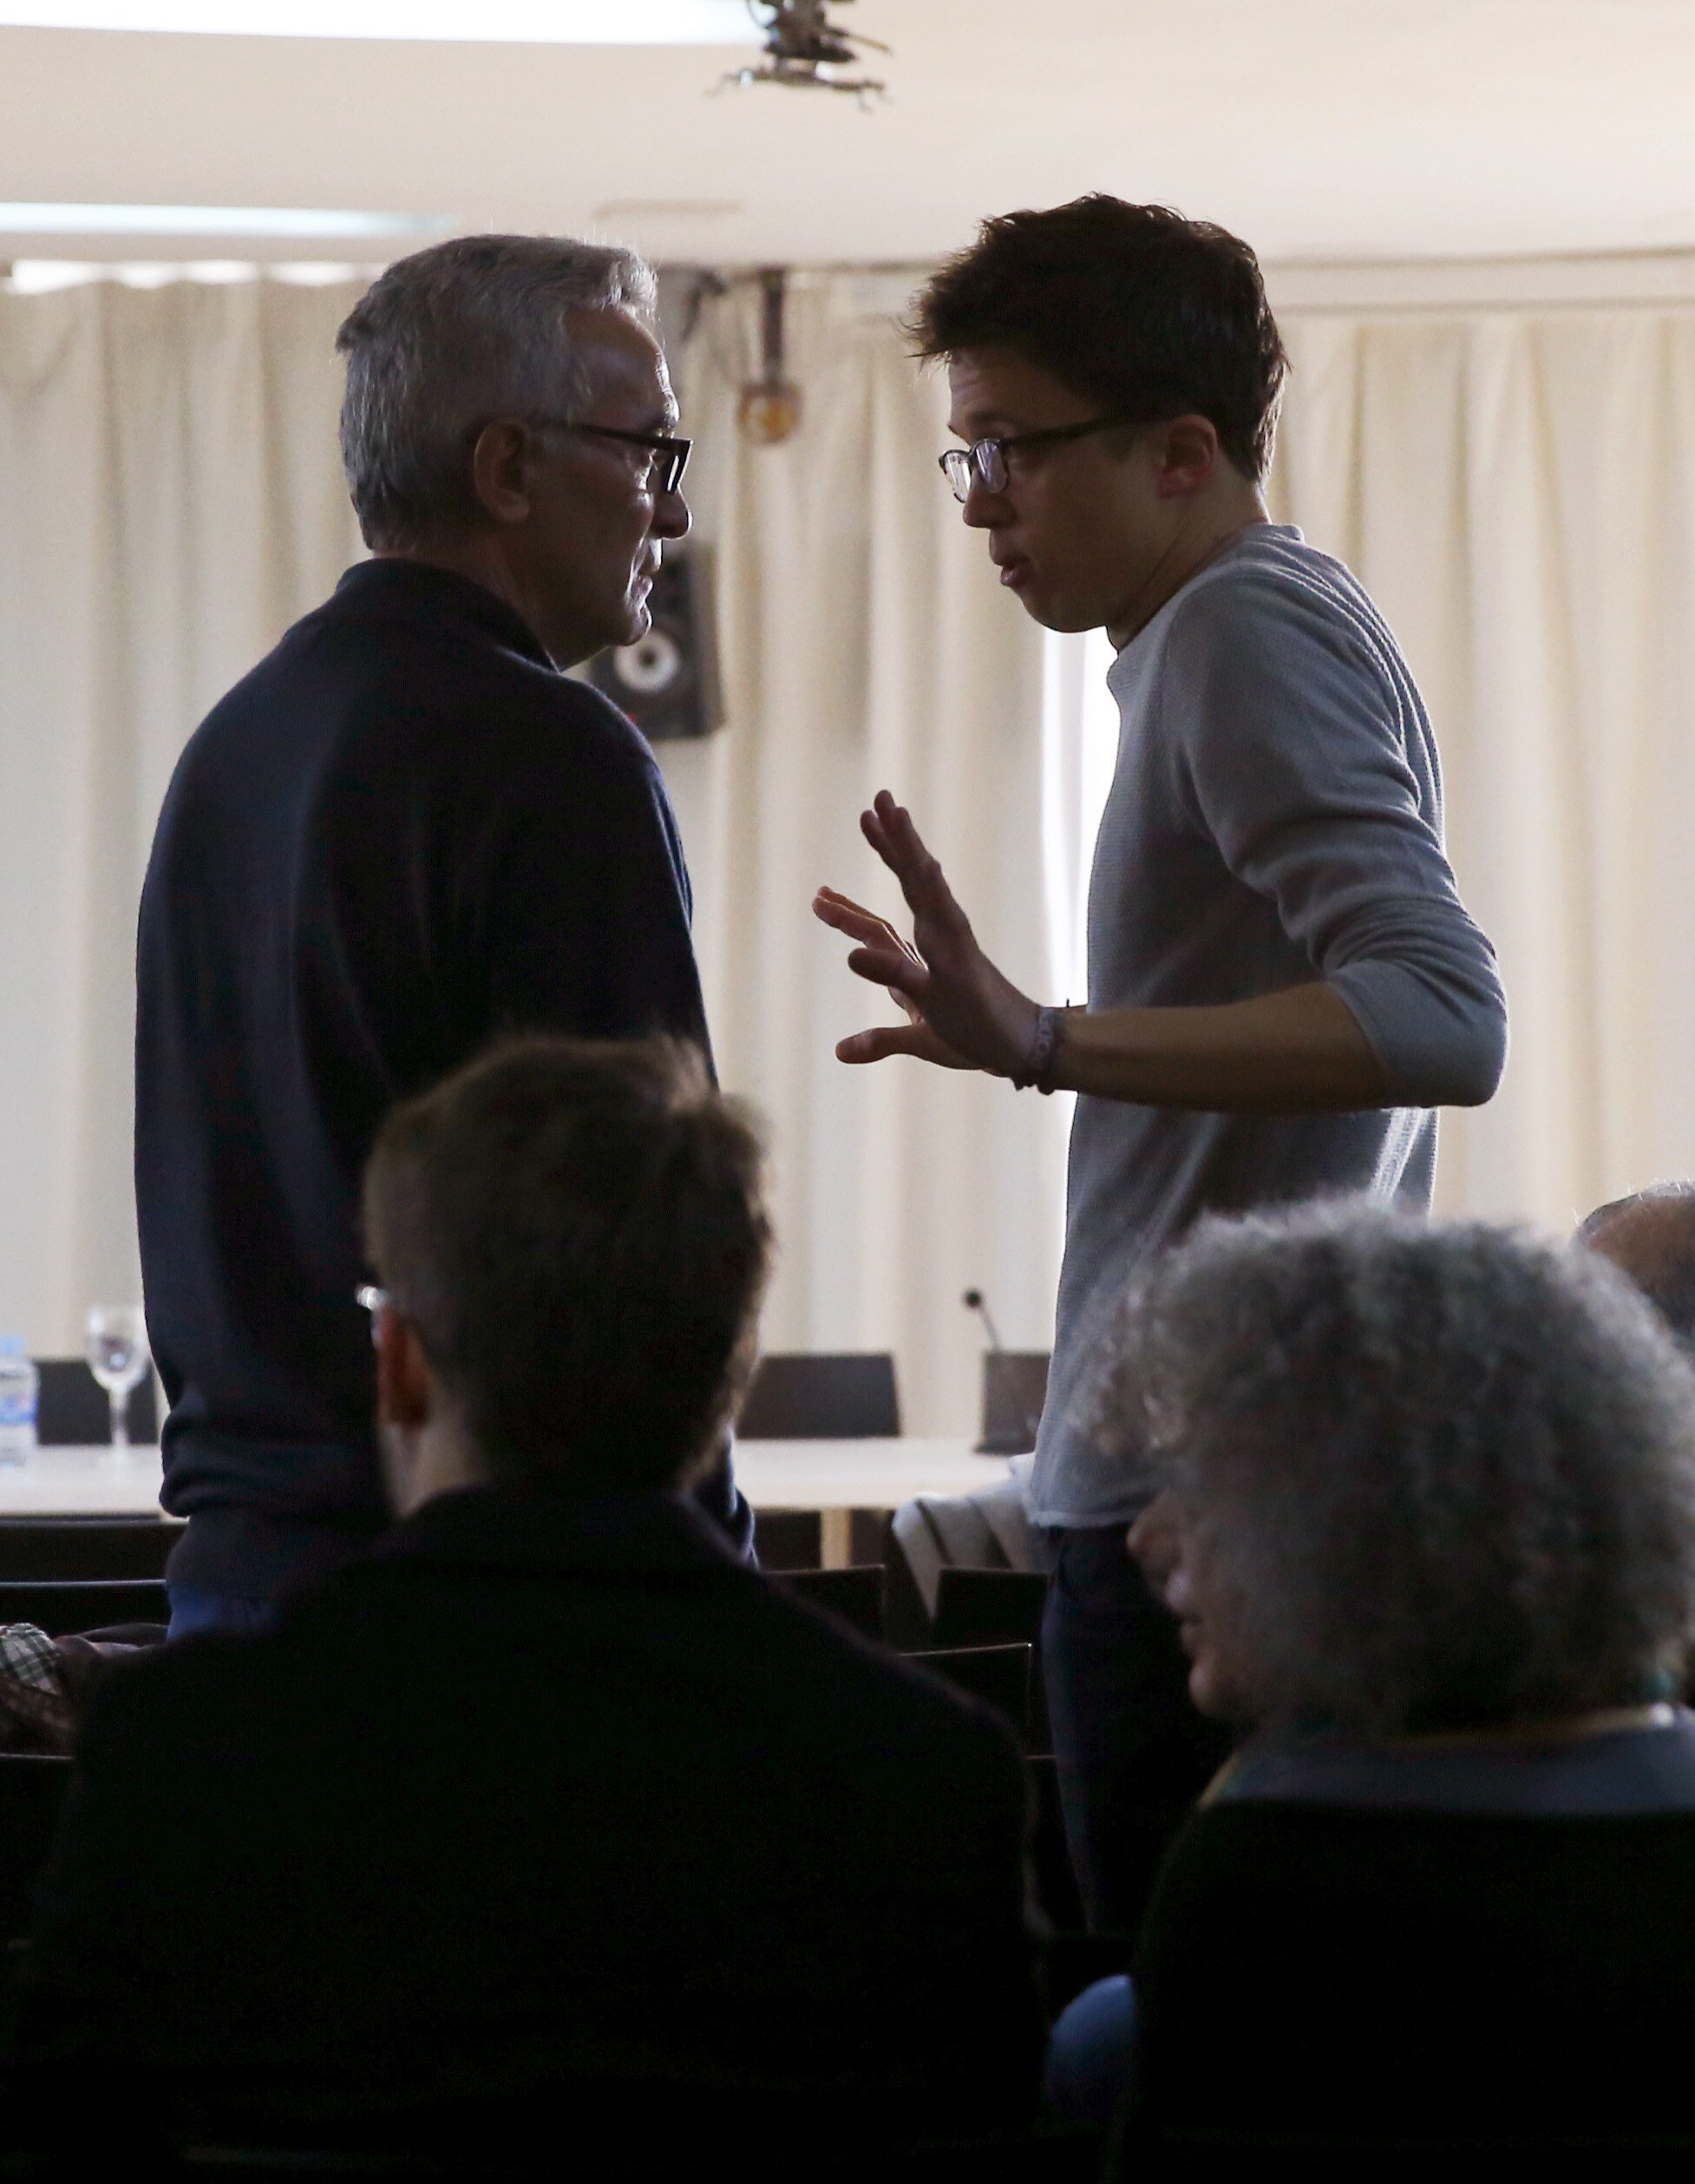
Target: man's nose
x=672, y=518
x=982, y=509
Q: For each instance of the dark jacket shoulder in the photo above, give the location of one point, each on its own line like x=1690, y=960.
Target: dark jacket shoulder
x=572, y=1767
x=1317, y=1967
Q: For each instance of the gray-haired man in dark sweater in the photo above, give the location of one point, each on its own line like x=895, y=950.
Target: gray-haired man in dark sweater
x=403, y=834
x=1283, y=982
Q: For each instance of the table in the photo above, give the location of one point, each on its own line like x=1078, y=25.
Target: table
x=833, y=1476
x=837, y=1478
x=83, y=1482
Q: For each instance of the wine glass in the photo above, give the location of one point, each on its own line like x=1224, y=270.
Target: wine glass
x=115, y=1345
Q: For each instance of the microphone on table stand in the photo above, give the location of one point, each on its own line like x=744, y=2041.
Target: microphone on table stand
x=1014, y=1387
x=974, y=1301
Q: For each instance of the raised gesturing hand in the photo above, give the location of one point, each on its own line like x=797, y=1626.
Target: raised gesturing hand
x=961, y=1013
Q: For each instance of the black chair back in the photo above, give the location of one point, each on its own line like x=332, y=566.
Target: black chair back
x=988, y=1607
x=84, y=1547
x=63, y=1610
x=72, y=1408
x=855, y=1595
x=789, y=1539
x=998, y=1675
x=806, y=1395
x=32, y=1788
x=1015, y=1386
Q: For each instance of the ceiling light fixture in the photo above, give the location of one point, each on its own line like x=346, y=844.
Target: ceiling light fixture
x=806, y=50
x=492, y=21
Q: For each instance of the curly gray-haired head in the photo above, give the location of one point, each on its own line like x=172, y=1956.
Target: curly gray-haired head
x=452, y=337
x=1448, y=1470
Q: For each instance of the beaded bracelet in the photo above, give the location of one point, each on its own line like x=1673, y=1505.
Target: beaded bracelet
x=1043, y=1056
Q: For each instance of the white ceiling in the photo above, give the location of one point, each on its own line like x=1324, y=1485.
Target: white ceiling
x=1319, y=128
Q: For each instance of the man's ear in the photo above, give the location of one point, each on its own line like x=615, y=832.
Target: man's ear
x=500, y=471
x=405, y=1392
x=1186, y=457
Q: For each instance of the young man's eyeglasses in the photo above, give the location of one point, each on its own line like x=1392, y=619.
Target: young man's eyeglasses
x=667, y=458
x=986, y=461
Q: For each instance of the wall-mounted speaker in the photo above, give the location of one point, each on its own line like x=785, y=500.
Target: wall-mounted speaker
x=668, y=681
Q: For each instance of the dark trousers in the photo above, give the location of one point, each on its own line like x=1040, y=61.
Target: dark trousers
x=193, y=1610
x=1133, y=1752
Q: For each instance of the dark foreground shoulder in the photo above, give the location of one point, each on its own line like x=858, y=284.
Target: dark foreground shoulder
x=1308, y=1967
x=191, y=1693
x=897, y=1701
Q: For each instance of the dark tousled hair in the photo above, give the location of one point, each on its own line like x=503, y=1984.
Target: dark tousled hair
x=577, y=1230
x=1149, y=314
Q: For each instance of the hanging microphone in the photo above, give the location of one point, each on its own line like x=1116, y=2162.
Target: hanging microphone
x=974, y=1301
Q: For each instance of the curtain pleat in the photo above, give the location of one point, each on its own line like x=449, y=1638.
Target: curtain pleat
x=170, y=501
x=1517, y=490
x=866, y=645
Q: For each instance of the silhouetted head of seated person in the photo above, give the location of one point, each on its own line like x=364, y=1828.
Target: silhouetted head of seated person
x=572, y=1245
x=1428, y=1524
x=1650, y=1237
x=551, y=1802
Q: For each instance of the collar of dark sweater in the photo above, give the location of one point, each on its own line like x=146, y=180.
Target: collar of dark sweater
x=396, y=584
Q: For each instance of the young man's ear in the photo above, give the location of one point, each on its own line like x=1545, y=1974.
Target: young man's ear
x=403, y=1374
x=1187, y=457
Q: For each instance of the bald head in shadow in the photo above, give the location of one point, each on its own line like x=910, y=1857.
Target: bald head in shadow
x=1650, y=1237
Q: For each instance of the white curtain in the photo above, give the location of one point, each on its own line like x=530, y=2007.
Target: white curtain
x=170, y=500
x=1516, y=487
x=866, y=646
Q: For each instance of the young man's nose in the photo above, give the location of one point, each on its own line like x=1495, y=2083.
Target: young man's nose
x=981, y=508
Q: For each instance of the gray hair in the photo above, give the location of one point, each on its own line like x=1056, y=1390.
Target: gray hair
x=452, y=337
x=1448, y=1470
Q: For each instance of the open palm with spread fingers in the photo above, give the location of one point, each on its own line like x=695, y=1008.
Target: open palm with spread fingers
x=961, y=1013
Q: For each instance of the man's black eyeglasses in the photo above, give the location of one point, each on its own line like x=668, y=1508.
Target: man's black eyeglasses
x=669, y=458
x=987, y=459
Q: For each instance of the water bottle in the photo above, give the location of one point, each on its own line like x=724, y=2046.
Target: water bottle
x=19, y=1386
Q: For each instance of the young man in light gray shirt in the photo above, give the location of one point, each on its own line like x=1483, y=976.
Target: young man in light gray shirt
x=1283, y=982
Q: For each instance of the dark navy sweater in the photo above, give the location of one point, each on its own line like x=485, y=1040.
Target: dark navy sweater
x=404, y=833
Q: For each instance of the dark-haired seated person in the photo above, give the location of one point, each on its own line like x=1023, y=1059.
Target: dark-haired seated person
x=552, y=1801
x=1428, y=1527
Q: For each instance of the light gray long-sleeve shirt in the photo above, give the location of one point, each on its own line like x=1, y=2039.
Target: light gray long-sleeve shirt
x=1275, y=816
